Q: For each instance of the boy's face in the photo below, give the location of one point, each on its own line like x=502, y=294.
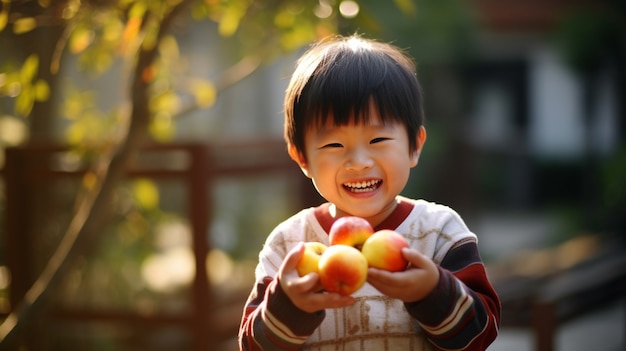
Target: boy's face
x=360, y=168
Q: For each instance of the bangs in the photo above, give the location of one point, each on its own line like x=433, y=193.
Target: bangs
x=339, y=83
x=346, y=91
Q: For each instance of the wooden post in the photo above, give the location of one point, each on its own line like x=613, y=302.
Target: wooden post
x=200, y=211
x=544, y=324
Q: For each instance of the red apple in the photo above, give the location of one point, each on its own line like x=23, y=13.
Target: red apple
x=310, y=258
x=351, y=231
x=343, y=269
x=384, y=250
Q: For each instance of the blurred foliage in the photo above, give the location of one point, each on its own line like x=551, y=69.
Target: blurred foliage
x=589, y=36
x=22, y=84
x=102, y=34
x=591, y=39
x=614, y=193
x=433, y=31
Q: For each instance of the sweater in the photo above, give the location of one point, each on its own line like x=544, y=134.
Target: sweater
x=461, y=313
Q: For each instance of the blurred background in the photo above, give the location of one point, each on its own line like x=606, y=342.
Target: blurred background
x=142, y=162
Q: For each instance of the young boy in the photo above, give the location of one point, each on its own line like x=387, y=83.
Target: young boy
x=354, y=125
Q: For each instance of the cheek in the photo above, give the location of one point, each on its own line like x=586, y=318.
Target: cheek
x=398, y=169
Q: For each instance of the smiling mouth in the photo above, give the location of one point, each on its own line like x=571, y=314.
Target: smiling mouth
x=364, y=186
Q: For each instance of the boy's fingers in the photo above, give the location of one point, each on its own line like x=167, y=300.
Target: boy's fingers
x=292, y=258
x=415, y=258
x=307, y=283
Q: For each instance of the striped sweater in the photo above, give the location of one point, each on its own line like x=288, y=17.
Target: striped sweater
x=461, y=313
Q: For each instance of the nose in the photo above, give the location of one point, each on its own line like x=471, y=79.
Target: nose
x=358, y=159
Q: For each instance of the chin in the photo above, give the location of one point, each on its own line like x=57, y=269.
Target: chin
x=365, y=210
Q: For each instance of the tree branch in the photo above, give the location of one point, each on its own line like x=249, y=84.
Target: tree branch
x=83, y=231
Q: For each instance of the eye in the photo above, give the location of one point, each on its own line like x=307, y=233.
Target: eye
x=378, y=140
x=331, y=145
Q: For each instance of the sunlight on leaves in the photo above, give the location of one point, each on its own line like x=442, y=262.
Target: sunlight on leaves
x=13, y=131
x=349, y=9
x=170, y=270
x=146, y=194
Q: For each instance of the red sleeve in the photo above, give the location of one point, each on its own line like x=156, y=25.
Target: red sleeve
x=463, y=311
x=272, y=322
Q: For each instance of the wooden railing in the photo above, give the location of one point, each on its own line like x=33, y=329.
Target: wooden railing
x=197, y=166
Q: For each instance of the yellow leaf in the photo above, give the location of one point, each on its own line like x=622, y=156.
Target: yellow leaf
x=75, y=133
x=24, y=101
x=90, y=180
x=146, y=194
x=4, y=19
x=229, y=23
x=168, y=102
x=138, y=9
x=205, y=93
x=42, y=90
x=29, y=69
x=284, y=19
x=161, y=127
x=169, y=49
x=24, y=25
x=80, y=39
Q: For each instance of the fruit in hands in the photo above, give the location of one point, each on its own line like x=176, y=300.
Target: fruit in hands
x=383, y=250
x=342, y=269
x=351, y=231
x=309, y=262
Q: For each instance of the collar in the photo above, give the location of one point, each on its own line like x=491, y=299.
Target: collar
x=399, y=214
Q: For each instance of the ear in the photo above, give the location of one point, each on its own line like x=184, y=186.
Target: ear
x=420, y=140
x=298, y=158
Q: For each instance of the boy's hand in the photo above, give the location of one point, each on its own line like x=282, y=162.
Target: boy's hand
x=410, y=285
x=306, y=292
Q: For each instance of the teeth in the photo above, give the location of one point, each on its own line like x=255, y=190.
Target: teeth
x=362, y=186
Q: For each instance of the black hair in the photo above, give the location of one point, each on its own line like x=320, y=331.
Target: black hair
x=340, y=79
